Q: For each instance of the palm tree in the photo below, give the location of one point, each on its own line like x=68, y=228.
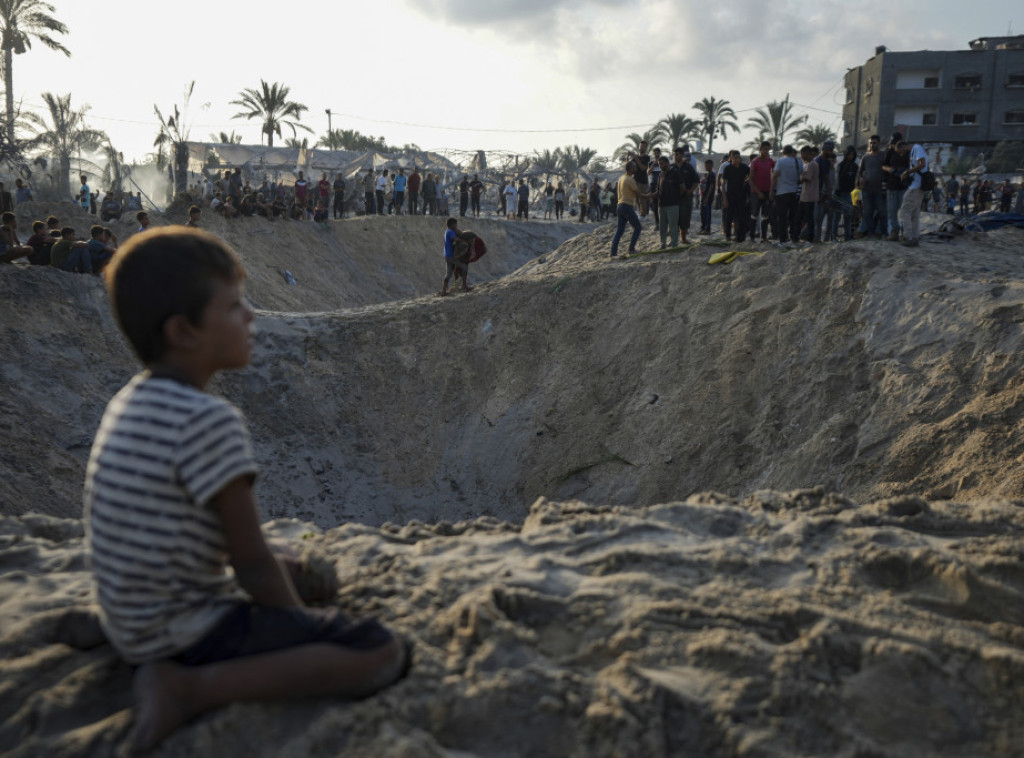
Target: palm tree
x=753, y=145
x=64, y=137
x=677, y=128
x=174, y=134
x=115, y=173
x=547, y=161
x=301, y=144
x=573, y=158
x=271, y=105
x=716, y=119
x=22, y=21
x=227, y=139
x=816, y=135
x=775, y=119
x=352, y=139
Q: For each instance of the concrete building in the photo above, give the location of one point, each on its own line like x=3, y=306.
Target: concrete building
x=954, y=102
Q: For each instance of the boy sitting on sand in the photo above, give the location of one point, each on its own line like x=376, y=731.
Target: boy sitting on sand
x=169, y=503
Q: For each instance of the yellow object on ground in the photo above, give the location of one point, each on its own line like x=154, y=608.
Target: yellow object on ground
x=731, y=255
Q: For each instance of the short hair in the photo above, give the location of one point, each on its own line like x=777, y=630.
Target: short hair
x=452, y=222
x=733, y=152
x=140, y=215
x=166, y=272
x=789, y=150
x=37, y=225
x=875, y=137
x=195, y=209
x=8, y=217
x=765, y=144
x=52, y=220
x=67, y=231
x=96, y=230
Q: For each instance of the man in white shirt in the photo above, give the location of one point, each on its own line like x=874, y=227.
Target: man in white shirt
x=382, y=188
x=910, y=210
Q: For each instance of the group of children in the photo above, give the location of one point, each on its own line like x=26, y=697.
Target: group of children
x=54, y=245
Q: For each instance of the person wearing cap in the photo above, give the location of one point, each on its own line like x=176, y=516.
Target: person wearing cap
x=910, y=209
x=894, y=165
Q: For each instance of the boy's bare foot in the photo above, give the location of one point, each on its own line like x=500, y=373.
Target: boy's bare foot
x=159, y=704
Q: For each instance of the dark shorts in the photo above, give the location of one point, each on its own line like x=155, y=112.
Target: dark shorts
x=250, y=630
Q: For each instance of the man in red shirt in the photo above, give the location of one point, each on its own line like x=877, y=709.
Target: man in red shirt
x=760, y=191
x=413, y=190
x=324, y=188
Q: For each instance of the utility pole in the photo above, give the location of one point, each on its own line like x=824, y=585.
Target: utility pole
x=330, y=144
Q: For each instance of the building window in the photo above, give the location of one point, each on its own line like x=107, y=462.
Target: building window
x=929, y=119
x=965, y=119
x=931, y=82
x=849, y=94
x=967, y=81
x=1015, y=80
x=869, y=87
x=1013, y=117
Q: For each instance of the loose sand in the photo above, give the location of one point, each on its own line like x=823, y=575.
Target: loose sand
x=405, y=437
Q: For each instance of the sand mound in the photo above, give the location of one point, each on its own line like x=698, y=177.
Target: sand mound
x=758, y=622
x=783, y=624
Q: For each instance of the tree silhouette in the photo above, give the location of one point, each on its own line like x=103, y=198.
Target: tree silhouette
x=270, y=104
x=21, y=22
x=716, y=119
x=677, y=128
x=816, y=135
x=64, y=136
x=775, y=120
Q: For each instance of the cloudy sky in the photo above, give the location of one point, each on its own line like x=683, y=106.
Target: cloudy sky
x=501, y=75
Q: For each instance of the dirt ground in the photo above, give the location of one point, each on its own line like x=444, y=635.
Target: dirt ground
x=645, y=507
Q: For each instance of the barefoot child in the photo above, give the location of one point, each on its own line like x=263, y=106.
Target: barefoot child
x=169, y=503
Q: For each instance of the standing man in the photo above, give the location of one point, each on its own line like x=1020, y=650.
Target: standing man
x=734, y=198
x=510, y=201
x=846, y=182
x=430, y=195
x=463, y=195
x=339, y=196
x=413, y=188
x=895, y=165
x=708, y=185
x=870, y=179
x=761, y=169
x=476, y=187
x=369, y=197
x=84, y=195
x=400, y=182
x=825, y=209
x=669, y=192
x=452, y=264
x=323, y=188
x=910, y=208
x=688, y=184
x=642, y=163
x=381, y=188
x=524, y=200
x=785, y=196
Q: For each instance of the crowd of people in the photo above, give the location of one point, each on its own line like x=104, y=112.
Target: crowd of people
x=808, y=195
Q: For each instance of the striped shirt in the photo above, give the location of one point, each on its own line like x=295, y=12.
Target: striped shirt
x=163, y=450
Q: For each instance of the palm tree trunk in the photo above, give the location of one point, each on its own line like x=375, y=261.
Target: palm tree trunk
x=9, y=94
x=180, y=168
x=64, y=176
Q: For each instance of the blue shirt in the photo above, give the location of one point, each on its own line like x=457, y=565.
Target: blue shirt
x=400, y=181
x=85, y=196
x=917, y=153
x=449, y=243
